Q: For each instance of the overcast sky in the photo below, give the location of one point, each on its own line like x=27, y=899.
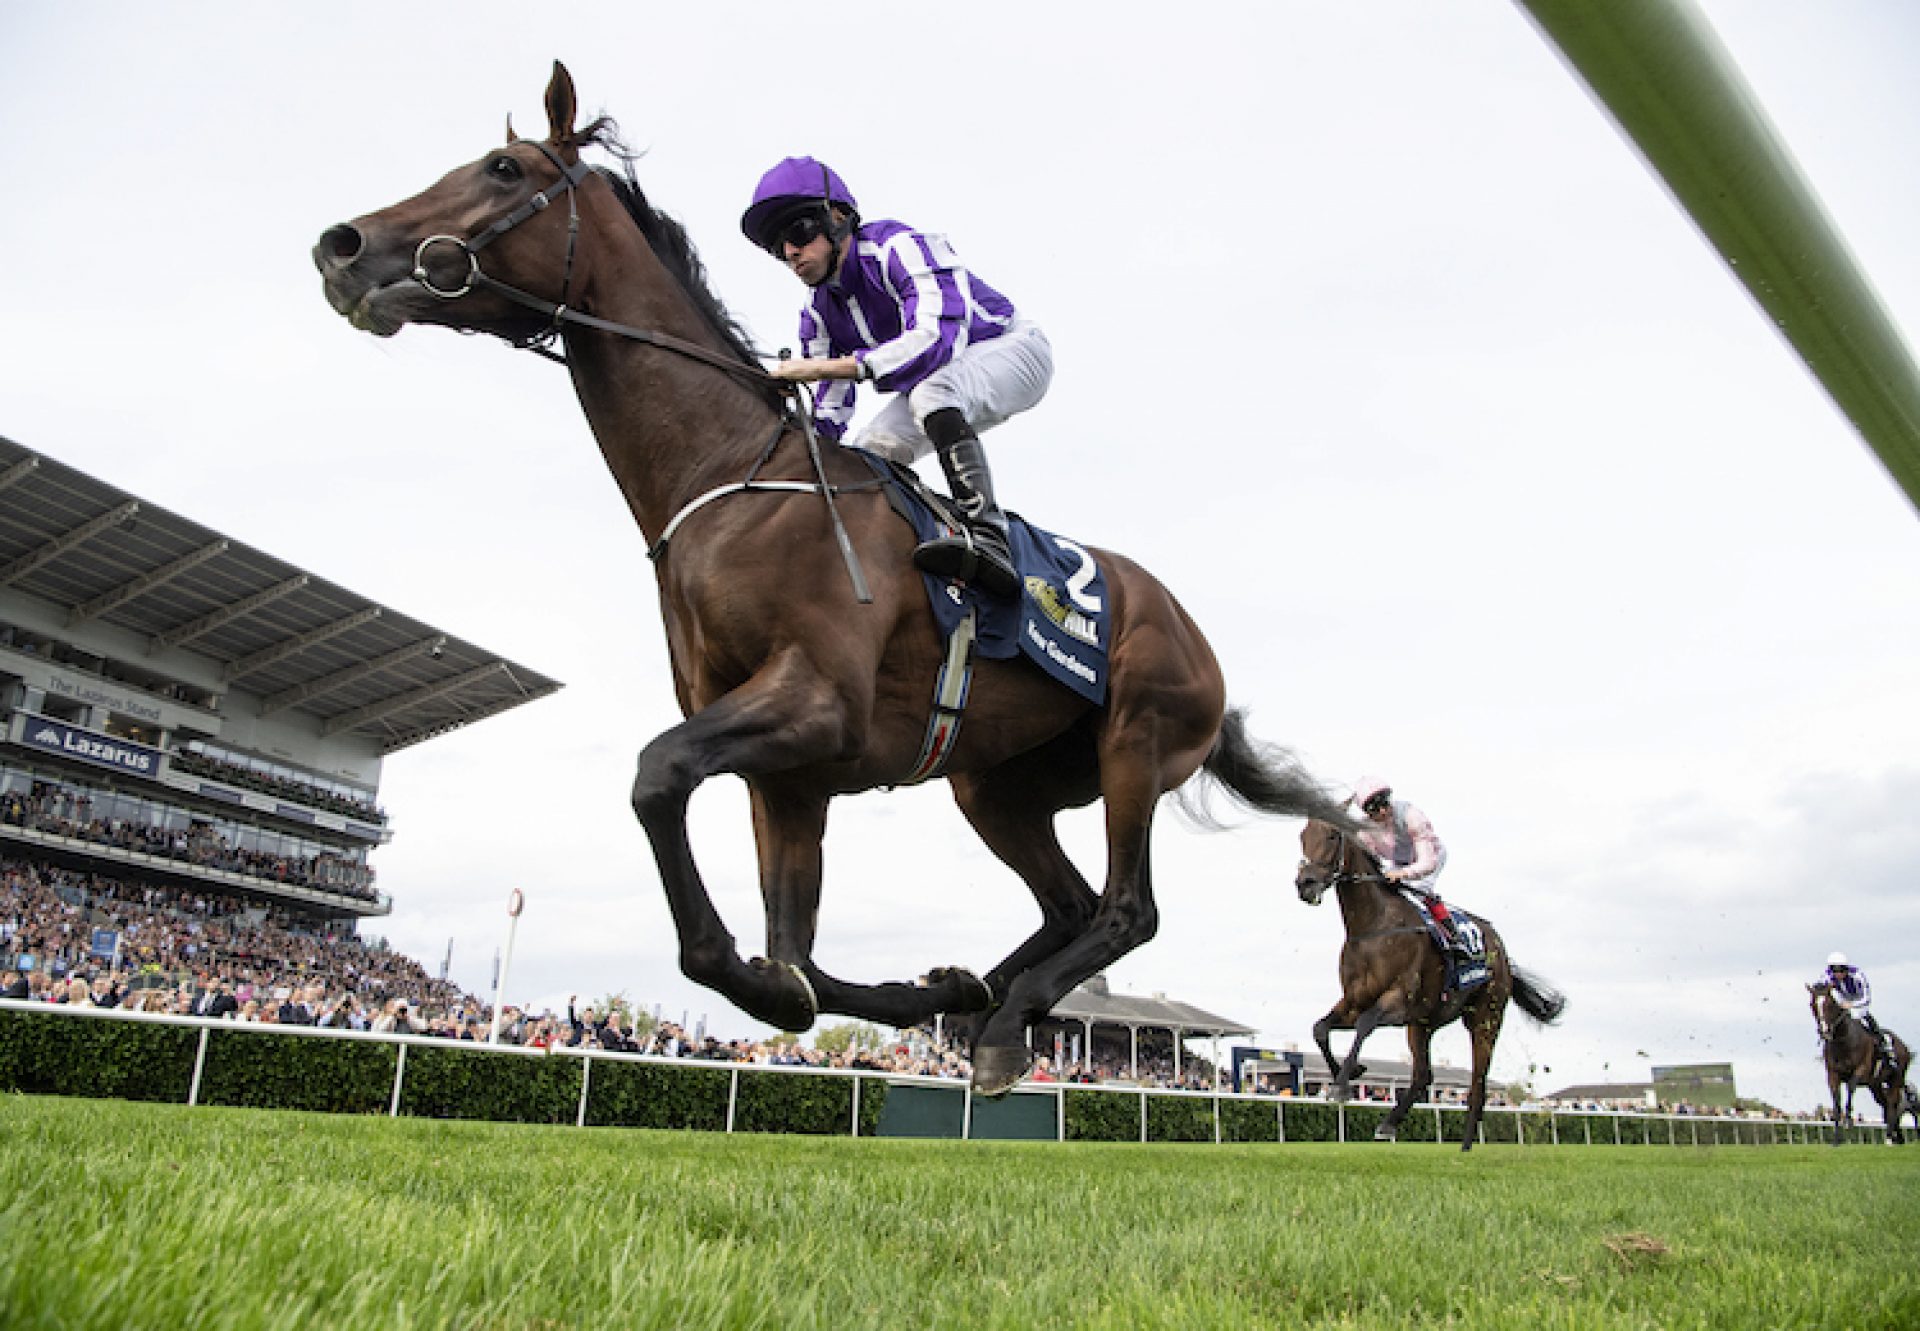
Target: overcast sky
x=1374, y=340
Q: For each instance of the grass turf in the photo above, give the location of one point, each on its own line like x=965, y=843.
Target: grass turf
x=121, y=1215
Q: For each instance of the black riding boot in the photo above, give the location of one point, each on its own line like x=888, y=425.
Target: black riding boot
x=1882, y=1046
x=979, y=556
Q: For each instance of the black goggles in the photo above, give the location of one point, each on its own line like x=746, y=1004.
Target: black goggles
x=1377, y=803
x=799, y=231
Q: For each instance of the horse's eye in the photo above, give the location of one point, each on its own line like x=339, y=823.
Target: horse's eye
x=503, y=168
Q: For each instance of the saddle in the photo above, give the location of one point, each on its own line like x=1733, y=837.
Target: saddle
x=1059, y=620
x=1465, y=957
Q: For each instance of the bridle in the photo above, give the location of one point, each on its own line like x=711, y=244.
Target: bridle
x=557, y=312
x=1336, y=875
x=797, y=413
x=1824, y=1024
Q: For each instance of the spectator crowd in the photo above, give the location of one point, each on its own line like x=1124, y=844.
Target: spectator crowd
x=48, y=807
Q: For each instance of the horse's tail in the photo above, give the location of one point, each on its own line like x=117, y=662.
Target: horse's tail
x=1263, y=777
x=1537, y=998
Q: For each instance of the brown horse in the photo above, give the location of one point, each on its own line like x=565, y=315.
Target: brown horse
x=786, y=680
x=1852, y=1060
x=1391, y=974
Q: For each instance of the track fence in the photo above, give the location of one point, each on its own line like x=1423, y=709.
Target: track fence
x=50, y=1049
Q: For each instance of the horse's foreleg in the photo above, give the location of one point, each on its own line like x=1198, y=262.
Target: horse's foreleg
x=1352, y=1067
x=783, y=718
x=789, y=823
x=1337, y=1018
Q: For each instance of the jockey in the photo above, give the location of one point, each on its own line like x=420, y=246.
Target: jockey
x=894, y=306
x=1410, y=852
x=1852, y=992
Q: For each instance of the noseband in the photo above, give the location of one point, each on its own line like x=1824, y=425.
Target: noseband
x=570, y=179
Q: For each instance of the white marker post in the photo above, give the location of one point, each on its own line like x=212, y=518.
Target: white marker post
x=515, y=904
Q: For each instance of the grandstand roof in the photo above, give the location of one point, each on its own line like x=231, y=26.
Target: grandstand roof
x=1094, y=1002
x=280, y=633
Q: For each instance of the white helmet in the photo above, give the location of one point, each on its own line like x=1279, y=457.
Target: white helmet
x=1837, y=959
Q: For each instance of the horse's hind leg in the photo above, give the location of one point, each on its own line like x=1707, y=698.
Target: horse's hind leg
x=1419, y=1079
x=1484, y=1019
x=1164, y=705
x=1013, y=807
x=1125, y=918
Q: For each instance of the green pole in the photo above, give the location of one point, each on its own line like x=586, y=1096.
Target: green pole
x=1661, y=73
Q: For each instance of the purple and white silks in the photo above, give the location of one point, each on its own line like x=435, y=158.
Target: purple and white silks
x=904, y=305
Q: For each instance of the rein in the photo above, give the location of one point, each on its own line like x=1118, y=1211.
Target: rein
x=558, y=314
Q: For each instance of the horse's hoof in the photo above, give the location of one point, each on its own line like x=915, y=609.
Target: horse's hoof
x=1339, y=1094
x=1383, y=1133
x=998, y=1068
x=972, y=993
x=787, y=999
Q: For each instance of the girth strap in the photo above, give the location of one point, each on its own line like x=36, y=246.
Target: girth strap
x=949, y=702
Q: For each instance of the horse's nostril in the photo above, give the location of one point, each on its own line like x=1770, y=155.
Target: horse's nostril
x=341, y=243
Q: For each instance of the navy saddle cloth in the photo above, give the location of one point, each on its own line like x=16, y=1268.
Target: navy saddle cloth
x=1463, y=973
x=1059, y=620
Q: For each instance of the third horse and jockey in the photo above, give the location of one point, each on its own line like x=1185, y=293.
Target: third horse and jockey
x=1848, y=984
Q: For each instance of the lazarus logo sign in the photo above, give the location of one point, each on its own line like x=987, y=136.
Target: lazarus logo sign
x=59, y=737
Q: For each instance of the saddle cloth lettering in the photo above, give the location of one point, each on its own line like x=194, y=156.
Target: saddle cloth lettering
x=1059, y=621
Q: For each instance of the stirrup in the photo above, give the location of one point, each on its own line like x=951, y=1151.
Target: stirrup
x=971, y=561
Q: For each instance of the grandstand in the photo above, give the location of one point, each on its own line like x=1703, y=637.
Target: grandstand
x=178, y=708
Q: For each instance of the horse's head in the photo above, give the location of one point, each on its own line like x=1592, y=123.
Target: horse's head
x=417, y=261
x=1324, y=857
x=1826, y=1011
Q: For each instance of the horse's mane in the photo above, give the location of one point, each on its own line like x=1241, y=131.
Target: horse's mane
x=668, y=240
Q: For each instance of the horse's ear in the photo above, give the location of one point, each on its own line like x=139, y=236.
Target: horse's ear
x=511, y=136
x=560, y=105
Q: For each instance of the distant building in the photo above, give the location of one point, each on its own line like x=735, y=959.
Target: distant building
x=1095, y=1028
x=1296, y=1072
x=1601, y=1092
x=1700, y=1084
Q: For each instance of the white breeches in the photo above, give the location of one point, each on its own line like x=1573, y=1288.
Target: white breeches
x=988, y=382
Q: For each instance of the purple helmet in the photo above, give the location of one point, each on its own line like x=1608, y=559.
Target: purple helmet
x=795, y=181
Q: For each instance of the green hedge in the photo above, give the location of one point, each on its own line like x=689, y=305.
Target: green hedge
x=1179, y=1118
x=263, y=1070
x=794, y=1102
x=484, y=1084
x=1249, y=1121
x=1102, y=1116
x=1308, y=1121
x=62, y=1054
x=647, y=1095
